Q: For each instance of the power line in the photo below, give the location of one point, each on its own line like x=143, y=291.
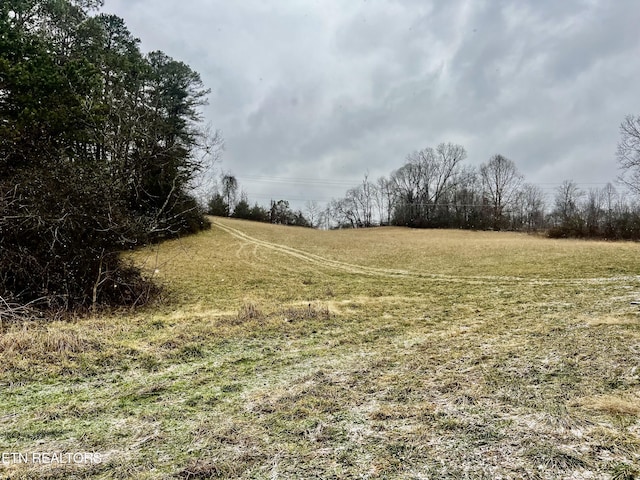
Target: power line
x=317, y=184
x=286, y=197
x=349, y=183
x=297, y=180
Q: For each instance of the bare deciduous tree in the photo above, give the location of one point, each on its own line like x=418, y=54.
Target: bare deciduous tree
x=384, y=195
x=313, y=211
x=566, y=200
x=229, y=190
x=610, y=198
x=629, y=152
x=528, y=211
x=501, y=181
x=423, y=183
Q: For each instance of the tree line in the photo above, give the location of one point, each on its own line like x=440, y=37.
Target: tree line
x=224, y=201
x=99, y=146
x=435, y=189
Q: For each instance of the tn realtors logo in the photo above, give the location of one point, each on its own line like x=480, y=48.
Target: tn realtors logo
x=50, y=458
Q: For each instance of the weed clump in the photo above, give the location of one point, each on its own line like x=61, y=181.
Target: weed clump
x=249, y=311
x=309, y=312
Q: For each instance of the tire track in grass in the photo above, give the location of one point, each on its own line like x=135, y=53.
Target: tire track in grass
x=351, y=268
x=311, y=257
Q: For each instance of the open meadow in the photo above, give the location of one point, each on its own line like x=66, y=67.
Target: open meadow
x=281, y=352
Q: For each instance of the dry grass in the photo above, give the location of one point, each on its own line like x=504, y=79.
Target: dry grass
x=387, y=353
x=612, y=404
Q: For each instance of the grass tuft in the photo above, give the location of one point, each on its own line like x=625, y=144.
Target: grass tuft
x=625, y=471
x=205, y=469
x=308, y=312
x=613, y=405
x=249, y=311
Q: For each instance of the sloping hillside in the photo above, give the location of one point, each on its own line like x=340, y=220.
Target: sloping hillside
x=284, y=352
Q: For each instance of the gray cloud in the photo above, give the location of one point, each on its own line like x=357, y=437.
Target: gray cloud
x=332, y=89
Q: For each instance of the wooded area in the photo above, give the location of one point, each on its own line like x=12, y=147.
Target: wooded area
x=98, y=147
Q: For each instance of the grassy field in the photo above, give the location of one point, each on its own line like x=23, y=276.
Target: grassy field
x=282, y=352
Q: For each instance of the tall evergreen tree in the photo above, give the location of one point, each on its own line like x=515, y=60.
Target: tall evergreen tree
x=97, y=151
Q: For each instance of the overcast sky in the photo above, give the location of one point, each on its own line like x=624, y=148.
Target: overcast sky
x=312, y=94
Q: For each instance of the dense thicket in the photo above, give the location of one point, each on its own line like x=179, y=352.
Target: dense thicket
x=98, y=146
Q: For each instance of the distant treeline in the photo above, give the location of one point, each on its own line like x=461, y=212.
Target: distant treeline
x=224, y=202
x=434, y=189
x=279, y=212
